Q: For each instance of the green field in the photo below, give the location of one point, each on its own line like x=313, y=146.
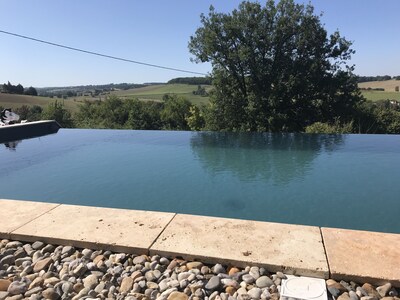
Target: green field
x=13, y=101
x=381, y=95
x=156, y=92
x=388, y=94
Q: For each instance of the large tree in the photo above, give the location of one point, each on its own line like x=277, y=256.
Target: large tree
x=274, y=68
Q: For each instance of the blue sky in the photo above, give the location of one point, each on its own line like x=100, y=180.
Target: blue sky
x=158, y=32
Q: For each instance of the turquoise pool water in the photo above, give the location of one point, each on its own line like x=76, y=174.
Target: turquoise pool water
x=346, y=181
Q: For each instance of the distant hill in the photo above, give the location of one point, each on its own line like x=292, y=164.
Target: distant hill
x=368, y=89
x=156, y=92
x=86, y=90
x=13, y=101
x=388, y=85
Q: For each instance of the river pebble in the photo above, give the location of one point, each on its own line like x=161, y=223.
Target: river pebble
x=45, y=271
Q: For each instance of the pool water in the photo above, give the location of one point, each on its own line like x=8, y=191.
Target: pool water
x=345, y=181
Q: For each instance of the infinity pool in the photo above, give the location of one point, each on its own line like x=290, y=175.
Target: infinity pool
x=346, y=181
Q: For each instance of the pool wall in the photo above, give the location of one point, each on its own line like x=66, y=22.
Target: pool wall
x=360, y=256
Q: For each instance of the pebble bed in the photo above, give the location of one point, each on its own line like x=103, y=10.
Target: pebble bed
x=43, y=271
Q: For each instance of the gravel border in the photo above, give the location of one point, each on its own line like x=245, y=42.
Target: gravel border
x=44, y=271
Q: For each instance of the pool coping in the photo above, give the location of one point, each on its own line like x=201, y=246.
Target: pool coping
x=361, y=256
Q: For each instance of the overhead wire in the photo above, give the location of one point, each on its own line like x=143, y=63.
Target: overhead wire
x=100, y=54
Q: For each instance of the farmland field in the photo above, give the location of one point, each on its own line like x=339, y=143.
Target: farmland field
x=156, y=92
x=13, y=101
x=381, y=95
x=388, y=94
x=388, y=85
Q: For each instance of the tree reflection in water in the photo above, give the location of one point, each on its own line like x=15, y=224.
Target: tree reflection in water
x=275, y=157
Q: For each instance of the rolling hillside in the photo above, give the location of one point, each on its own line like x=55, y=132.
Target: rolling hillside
x=13, y=101
x=156, y=92
x=388, y=93
x=388, y=85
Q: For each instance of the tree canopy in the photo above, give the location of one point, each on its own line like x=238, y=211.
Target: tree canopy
x=275, y=68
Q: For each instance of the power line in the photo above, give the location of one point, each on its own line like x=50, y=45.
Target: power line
x=99, y=54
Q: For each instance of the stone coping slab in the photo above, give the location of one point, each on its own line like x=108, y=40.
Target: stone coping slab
x=118, y=230
x=16, y=213
x=363, y=255
x=293, y=249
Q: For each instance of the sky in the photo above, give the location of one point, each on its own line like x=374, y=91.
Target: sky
x=157, y=32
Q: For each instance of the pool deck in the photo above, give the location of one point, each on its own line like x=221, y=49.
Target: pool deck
x=360, y=256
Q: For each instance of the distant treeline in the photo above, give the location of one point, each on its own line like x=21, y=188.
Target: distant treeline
x=86, y=90
x=372, y=89
x=18, y=89
x=191, y=80
x=376, y=78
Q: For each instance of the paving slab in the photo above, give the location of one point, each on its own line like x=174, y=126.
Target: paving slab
x=363, y=256
x=293, y=249
x=117, y=230
x=15, y=213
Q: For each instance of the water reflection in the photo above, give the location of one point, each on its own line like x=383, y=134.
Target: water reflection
x=278, y=158
x=12, y=146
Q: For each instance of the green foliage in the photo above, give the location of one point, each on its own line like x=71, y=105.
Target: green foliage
x=31, y=91
x=377, y=117
x=134, y=114
x=56, y=111
x=176, y=110
x=143, y=115
x=325, y=128
x=30, y=113
x=102, y=114
x=195, y=119
x=201, y=91
x=13, y=89
x=274, y=68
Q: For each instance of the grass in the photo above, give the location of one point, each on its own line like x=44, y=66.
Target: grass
x=13, y=101
x=156, y=92
x=388, y=93
x=380, y=95
x=388, y=85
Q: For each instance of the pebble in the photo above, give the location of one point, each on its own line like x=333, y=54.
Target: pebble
x=4, y=284
x=353, y=295
x=264, y=281
x=44, y=271
x=344, y=296
x=213, y=283
x=254, y=272
x=255, y=293
x=370, y=289
x=42, y=264
x=50, y=294
x=17, y=287
x=177, y=296
x=3, y=295
x=126, y=284
x=232, y=271
x=247, y=278
x=194, y=265
x=218, y=268
x=383, y=290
